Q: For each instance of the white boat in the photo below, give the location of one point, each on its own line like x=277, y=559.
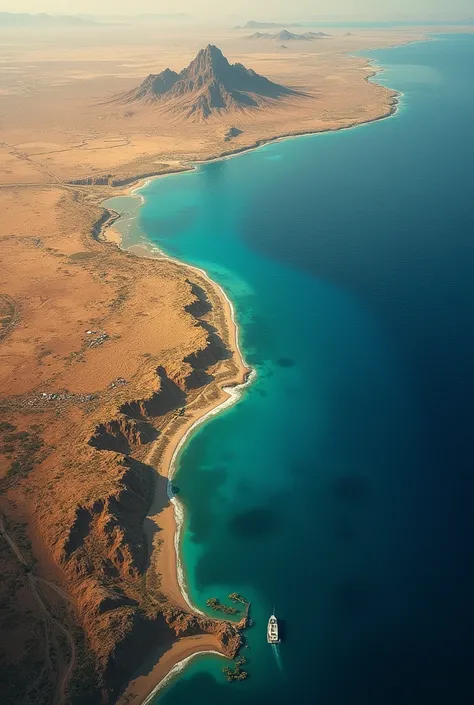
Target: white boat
x=273, y=636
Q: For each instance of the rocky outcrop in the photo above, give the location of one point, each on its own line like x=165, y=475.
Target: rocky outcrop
x=170, y=396
x=214, y=352
x=116, y=181
x=121, y=433
x=138, y=635
x=105, y=180
x=188, y=624
x=112, y=526
x=201, y=304
x=104, y=557
x=210, y=84
x=231, y=133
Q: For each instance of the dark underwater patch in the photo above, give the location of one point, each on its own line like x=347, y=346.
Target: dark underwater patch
x=254, y=523
x=285, y=362
x=351, y=488
x=201, y=522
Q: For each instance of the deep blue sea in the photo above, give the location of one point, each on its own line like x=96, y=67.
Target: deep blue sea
x=341, y=489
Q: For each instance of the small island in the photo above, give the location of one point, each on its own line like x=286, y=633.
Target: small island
x=236, y=673
x=235, y=597
x=217, y=606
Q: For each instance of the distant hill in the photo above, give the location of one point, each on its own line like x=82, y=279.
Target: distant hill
x=210, y=84
x=268, y=25
x=261, y=35
x=315, y=35
x=10, y=19
x=286, y=36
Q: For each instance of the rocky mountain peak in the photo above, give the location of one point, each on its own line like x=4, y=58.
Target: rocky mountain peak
x=209, y=63
x=210, y=84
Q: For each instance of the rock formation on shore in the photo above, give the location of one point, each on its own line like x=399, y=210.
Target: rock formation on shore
x=210, y=84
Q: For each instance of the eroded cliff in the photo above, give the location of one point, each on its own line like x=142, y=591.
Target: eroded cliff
x=79, y=474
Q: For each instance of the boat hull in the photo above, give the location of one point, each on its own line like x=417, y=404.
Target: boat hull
x=273, y=635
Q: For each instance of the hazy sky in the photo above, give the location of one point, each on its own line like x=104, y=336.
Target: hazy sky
x=256, y=9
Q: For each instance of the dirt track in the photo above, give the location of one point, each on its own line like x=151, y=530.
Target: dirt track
x=50, y=621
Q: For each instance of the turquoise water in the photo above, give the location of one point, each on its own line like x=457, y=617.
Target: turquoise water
x=339, y=489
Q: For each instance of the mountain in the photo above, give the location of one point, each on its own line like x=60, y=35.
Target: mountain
x=11, y=19
x=152, y=88
x=261, y=35
x=210, y=84
x=315, y=35
x=286, y=36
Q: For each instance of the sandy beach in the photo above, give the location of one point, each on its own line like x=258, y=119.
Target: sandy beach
x=163, y=456
x=168, y=666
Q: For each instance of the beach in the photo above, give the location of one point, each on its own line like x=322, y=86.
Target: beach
x=168, y=666
x=169, y=520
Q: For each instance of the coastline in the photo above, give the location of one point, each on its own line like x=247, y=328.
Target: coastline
x=173, y=575
x=134, y=184
x=230, y=395
x=170, y=520
x=169, y=665
x=174, y=671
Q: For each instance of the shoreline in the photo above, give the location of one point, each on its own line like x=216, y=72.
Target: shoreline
x=169, y=665
x=234, y=395
x=174, y=671
x=136, y=183
x=229, y=394
x=233, y=392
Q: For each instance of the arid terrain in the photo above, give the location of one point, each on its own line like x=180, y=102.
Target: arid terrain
x=105, y=357
x=58, y=124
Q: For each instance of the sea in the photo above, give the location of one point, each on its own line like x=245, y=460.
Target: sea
x=339, y=491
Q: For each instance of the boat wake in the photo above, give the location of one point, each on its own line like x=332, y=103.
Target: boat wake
x=277, y=655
